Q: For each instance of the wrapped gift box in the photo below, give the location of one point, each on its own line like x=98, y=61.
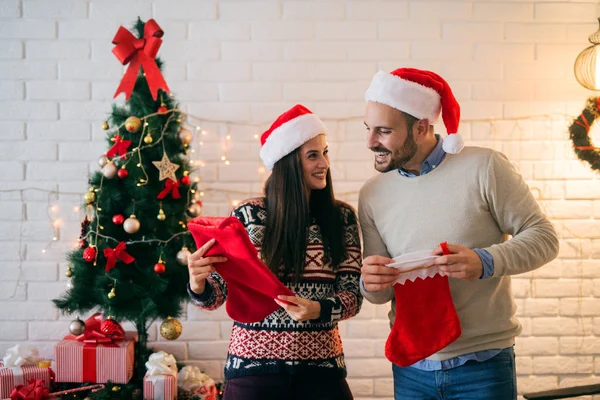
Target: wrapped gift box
x=160, y=387
x=80, y=361
x=13, y=376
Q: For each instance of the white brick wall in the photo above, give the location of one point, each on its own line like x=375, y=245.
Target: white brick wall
x=245, y=61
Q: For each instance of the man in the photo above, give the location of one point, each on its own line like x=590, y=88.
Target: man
x=432, y=190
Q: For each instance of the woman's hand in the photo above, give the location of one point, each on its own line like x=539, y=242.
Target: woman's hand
x=302, y=310
x=200, y=267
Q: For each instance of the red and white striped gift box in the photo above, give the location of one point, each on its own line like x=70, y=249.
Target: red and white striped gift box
x=94, y=362
x=160, y=387
x=13, y=376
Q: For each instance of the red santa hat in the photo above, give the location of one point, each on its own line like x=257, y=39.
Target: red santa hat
x=291, y=130
x=422, y=94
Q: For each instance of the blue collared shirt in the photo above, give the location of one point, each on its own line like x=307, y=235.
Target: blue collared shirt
x=435, y=158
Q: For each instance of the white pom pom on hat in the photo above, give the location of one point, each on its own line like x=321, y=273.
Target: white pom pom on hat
x=422, y=94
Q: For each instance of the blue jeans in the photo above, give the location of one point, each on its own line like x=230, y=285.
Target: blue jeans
x=494, y=379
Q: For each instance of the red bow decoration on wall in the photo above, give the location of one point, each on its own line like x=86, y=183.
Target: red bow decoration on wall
x=120, y=147
x=93, y=334
x=117, y=253
x=170, y=186
x=35, y=390
x=139, y=53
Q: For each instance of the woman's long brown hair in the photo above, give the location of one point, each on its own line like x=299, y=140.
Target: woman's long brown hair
x=289, y=215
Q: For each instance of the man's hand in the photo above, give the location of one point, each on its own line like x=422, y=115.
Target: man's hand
x=303, y=310
x=463, y=263
x=376, y=276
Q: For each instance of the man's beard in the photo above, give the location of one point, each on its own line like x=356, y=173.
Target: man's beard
x=398, y=158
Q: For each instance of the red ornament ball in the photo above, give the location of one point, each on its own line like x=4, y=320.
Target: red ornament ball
x=89, y=254
x=122, y=173
x=159, y=268
x=110, y=327
x=118, y=219
x=185, y=180
x=162, y=109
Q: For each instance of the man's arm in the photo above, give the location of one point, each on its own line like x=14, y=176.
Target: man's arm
x=534, y=242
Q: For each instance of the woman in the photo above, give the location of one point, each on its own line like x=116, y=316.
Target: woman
x=310, y=241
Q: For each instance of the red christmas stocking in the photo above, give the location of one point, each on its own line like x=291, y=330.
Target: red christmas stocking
x=251, y=285
x=426, y=320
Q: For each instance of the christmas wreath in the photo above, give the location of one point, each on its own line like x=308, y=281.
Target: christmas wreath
x=579, y=133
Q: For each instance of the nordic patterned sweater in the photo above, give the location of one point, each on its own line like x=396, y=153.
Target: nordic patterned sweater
x=278, y=344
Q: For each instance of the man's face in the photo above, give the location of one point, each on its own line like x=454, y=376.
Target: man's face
x=389, y=137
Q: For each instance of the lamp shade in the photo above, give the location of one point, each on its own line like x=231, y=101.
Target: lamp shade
x=587, y=64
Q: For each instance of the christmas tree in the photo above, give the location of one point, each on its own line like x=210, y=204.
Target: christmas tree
x=132, y=255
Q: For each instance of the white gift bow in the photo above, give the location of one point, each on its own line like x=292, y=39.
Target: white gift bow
x=20, y=355
x=191, y=378
x=161, y=363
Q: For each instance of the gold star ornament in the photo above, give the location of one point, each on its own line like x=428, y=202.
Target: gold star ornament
x=166, y=168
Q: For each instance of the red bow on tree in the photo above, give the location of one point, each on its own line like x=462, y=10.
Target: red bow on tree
x=170, y=186
x=117, y=253
x=93, y=332
x=120, y=147
x=140, y=53
x=35, y=390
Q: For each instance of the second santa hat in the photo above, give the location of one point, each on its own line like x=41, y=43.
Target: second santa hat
x=422, y=94
x=290, y=130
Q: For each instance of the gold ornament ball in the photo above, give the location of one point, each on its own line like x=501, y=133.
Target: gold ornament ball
x=110, y=170
x=161, y=215
x=102, y=161
x=148, y=139
x=105, y=125
x=116, y=388
x=69, y=272
x=182, y=256
x=133, y=124
x=89, y=196
x=170, y=329
x=112, y=294
x=185, y=136
x=195, y=209
x=131, y=224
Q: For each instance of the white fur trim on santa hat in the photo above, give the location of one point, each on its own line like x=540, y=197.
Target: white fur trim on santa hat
x=453, y=144
x=410, y=97
x=289, y=136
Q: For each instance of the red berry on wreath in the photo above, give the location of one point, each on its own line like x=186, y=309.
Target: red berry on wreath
x=89, y=254
x=159, y=268
x=122, y=173
x=185, y=180
x=118, y=219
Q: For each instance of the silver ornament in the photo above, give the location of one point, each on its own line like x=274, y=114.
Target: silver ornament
x=185, y=136
x=109, y=170
x=77, y=327
x=70, y=284
x=102, y=161
x=182, y=256
x=131, y=224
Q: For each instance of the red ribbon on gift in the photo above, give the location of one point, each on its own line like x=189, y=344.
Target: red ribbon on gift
x=120, y=147
x=170, y=186
x=140, y=53
x=117, y=253
x=92, y=337
x=35, y=390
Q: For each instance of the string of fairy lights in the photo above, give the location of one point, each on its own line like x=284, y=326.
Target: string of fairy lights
x=191, y=123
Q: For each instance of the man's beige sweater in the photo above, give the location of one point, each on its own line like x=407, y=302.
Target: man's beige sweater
x=473, y=199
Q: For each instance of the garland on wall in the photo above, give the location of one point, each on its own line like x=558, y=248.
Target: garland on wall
x=579, y=134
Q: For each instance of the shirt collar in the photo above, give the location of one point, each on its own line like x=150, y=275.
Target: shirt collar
x=433, y=160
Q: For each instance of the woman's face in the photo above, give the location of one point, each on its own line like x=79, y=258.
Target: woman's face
x=314, y=159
